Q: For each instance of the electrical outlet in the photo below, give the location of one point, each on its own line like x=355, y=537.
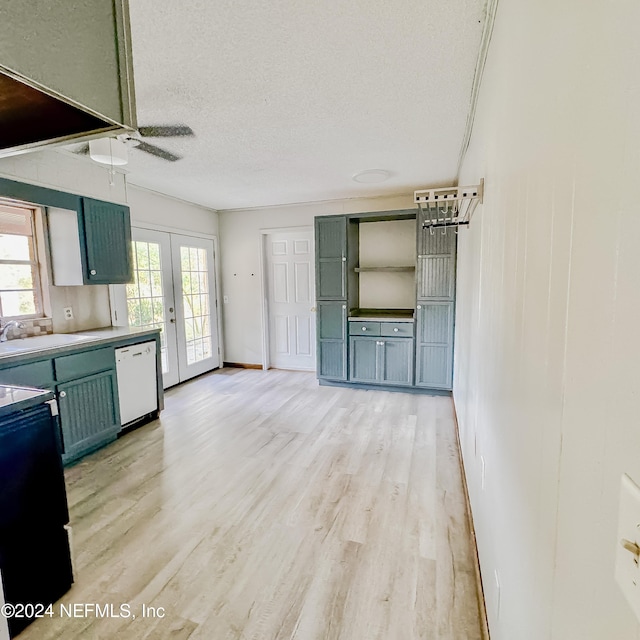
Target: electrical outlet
x=68, y=313
x=482, y=472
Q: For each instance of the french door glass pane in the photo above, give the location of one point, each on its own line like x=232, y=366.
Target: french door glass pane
x=195, y=297
x=145, y=300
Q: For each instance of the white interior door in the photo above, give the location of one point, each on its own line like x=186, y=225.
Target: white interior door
x=290, y=298
x=150, y=299
x=174, y=290
x=195, y=296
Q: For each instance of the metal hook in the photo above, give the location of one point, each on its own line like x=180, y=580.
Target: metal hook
x=457, y=228
x=444, y=231
x=430, y=231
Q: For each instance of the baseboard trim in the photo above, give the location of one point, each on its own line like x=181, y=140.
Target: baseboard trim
x=482, y=605
x=242, y=365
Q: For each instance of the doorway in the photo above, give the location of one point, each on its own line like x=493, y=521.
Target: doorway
x=290, y=336
x=174, y=290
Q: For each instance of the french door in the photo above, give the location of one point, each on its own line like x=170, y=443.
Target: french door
x=174, y=290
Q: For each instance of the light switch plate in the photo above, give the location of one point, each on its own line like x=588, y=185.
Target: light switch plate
x=627, y=570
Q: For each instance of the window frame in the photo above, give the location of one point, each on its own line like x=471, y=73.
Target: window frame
x=34, y=261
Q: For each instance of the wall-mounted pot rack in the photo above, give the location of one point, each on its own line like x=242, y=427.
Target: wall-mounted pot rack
x=448, y=206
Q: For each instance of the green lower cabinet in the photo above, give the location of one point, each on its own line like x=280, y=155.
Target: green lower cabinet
x=397, y=361
x=376, y=360
x=89, y=413
x=434, y=340
x=332, y=343
x=363, y=364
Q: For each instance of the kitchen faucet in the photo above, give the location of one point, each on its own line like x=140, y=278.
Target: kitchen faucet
x=10, y=325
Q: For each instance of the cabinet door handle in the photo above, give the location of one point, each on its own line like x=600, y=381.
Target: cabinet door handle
x=344, y=259
x=419, y=306
x=395, y=329
x=93, y=272
x=344, y=306
x=364, y=328
x=63, y=394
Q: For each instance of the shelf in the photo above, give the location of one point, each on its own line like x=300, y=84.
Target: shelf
x=388, y=269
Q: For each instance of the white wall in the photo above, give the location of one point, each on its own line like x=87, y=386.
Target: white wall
x=66, y=172
x=240, y=254
x=153, y=209
x=547, y=344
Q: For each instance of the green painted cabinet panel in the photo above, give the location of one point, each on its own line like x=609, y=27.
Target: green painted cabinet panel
x=332, y=343
x=436, y=266
x=376, y=360
x=434, y=345
x=78, y=365
x=396, y=362
x=35, y=374
x=331, y=237
x=89, y=413
x=331, y=258
x=363, y=360
x=332, y=360
x=107, y=242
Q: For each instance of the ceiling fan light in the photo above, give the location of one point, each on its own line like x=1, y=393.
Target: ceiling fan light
x=109, y=151
x=371, y=176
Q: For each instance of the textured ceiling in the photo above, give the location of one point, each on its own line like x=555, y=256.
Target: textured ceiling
x=288, y=99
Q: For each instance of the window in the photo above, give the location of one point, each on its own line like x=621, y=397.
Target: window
x=20, y=294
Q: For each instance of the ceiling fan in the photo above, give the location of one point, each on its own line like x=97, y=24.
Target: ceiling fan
x=136, y=141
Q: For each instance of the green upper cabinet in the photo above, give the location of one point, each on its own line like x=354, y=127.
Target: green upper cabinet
x=436, y=265
x=91, y=245
x=107, y=235
x=331, y=258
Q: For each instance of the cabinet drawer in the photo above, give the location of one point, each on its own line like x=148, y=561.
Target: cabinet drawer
x=396, y=329
x=364, y=328
x=84, y=364
x=36, y=374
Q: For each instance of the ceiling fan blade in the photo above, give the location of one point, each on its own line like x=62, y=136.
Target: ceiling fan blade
x=165, y=131
x=157, y=151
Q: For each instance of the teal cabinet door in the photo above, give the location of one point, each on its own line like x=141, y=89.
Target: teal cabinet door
x=436, y=265
x=396, y=361
x=332, y=343
x=89, y=413
x=107, y=242
x=363, y=360
x=331, y=258
x=376, y=360
x=434, y=345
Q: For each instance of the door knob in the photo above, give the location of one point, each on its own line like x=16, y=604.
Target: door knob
x=170, y=309
x=63, y=394
x=93, y=272
x=172, y=320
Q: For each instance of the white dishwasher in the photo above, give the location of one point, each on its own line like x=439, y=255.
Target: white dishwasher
x=137, y=381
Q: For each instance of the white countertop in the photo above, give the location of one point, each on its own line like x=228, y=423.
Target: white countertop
x=56, y=341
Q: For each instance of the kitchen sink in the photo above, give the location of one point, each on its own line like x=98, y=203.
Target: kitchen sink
x=49, y=341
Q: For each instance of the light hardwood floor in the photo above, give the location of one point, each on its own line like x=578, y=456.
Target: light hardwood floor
x=262, y=506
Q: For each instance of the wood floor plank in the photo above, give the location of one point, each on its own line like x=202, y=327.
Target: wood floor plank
x=261, y=506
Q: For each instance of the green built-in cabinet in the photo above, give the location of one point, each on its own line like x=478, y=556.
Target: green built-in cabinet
x=107, y=242
x=85, y=382
x=336, y=259
x=89, y=240
x=412, y=353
